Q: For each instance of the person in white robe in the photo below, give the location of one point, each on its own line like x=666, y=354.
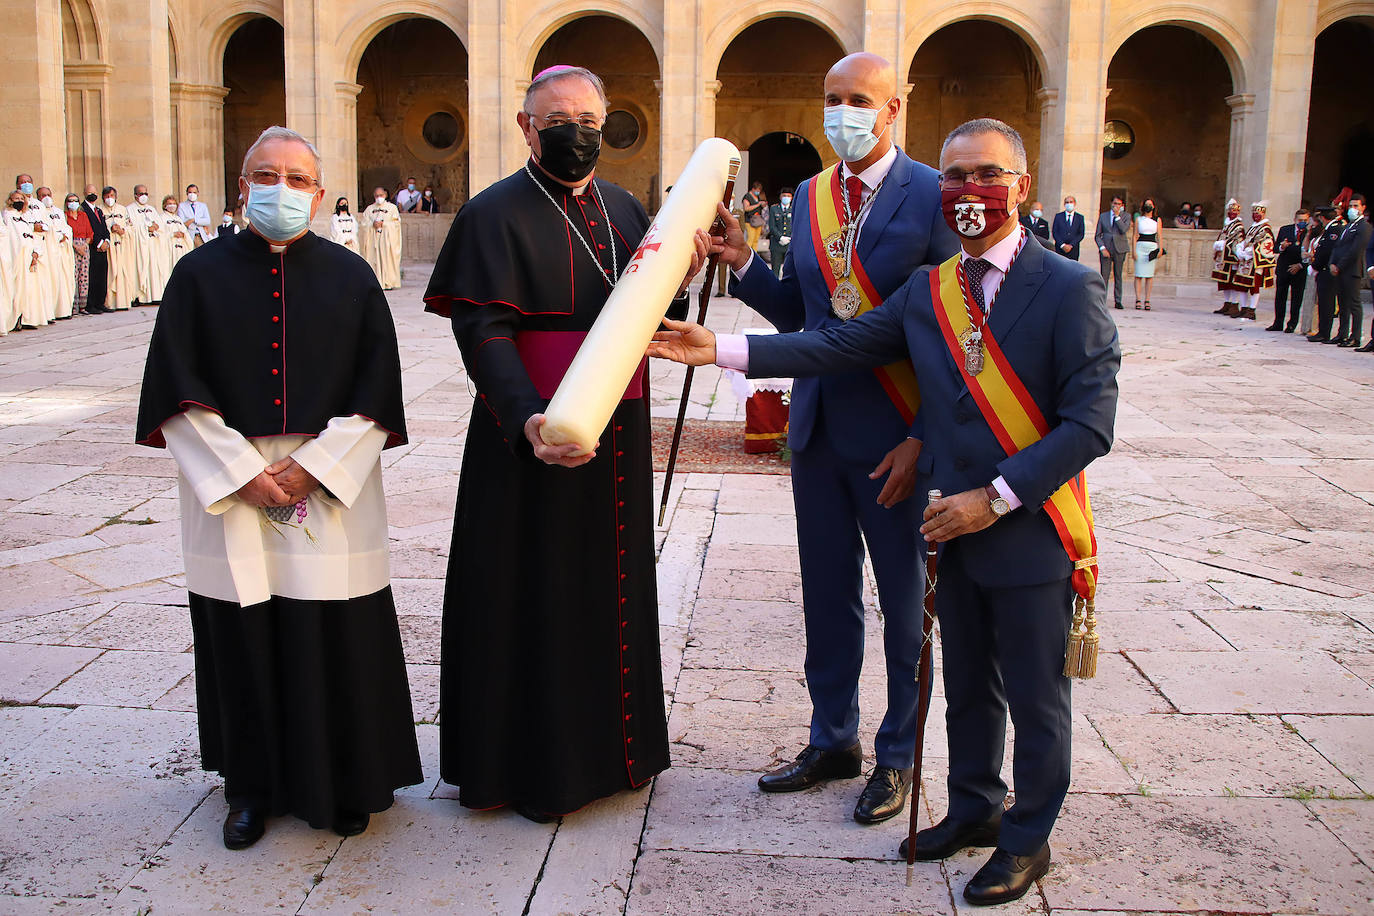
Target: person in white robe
x=62, y=257
x=32, y=281
x=381, y=231
x=123, y=284
x=178, y=236
x=150, y=252
x=343, y=226
x=8, y=315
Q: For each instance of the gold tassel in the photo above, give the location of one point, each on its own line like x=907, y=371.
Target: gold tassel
x=1073, y=652
x=1087, y=666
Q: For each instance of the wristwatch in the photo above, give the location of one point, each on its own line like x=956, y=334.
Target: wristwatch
x=1000, y=506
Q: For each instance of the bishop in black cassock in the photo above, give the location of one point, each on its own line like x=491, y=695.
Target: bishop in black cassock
x=551, y=694
x=264, y=354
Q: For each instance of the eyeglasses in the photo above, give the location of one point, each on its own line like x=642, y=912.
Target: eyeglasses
x=558, y=119
x=296, y=180
x=986, y=177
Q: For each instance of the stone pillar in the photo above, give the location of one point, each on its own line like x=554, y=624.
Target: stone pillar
x=199, y=119
x=680, y=130
x=303, y=50
x=342, y=176
x=1281, y=88
x=1078, y=112
x=32, y=105
x=494, y=145
x=1049, y=170
x=706, y=110
x=899, y=126
x=141, y=97
x=1242, y=103
x=87, y=123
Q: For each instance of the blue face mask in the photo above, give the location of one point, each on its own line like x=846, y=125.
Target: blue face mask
x=1037, y=213
x=1352, y=214
x=27, y=188
x=850, y=130
x=277, y=212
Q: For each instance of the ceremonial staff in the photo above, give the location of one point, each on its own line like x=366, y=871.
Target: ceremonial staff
x=923, y=679
x=705, y=300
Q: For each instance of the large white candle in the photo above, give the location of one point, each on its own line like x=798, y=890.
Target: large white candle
x=608, y=357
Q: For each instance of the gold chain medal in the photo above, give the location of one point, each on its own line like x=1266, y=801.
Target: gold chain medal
x=845, y=301
x=974, y=355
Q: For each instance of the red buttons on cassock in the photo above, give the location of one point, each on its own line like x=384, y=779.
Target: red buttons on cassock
x=274, y=371
x=620, y=454
x=600, y=247
x=623, y=576
x=620, y=480
x=276, y=318
x=619, y=428
x=621, y=503
x=622, y=528
x=275, y=345
x=622, y=552
x=276, y=294
x=623, y=600
x=627, y=718
x=591, y=222
x=630, y=740
x=277, y=401
x=627, y=694
x=624, y=623
x=624, y=670
x=624, y=648
x=274, y=271
x=630, y=762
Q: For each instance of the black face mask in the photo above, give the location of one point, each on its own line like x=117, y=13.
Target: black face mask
x=570, y=151
x=17, y=206
x=91, y=198
x=341, y=208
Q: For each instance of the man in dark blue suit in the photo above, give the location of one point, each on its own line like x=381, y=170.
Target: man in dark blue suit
x=1068, y=229
x=1005, y=589
x=854, y=445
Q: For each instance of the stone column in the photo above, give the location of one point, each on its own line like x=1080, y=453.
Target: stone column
x=1242, y=103
x=679, y=127
x=494, y=97
x=706, y=110
x=200, y=141
x=899, y=126
x=1271, y=166
x=32, y=106
x=342, y=177
x=1049, y=170
x=303, y=50
x=87, y=123
x=140, y=117
x=1078, y=111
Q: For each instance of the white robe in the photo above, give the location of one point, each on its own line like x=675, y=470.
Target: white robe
x=382, y=246
x=8, y=314
x=178, y=239
x=343, y=230
x=150, y=253
x=62, y=263
x=123, y=283
x=32, y=282
x=233, y=553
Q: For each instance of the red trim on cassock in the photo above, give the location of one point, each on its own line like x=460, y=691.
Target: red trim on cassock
x=439, y=305
x=155, y=438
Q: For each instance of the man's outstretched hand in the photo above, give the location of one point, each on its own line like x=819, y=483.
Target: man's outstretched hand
x=684, y=342
x=564, y=456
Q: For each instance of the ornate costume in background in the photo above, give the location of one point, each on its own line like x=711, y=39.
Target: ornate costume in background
x=1225, y=262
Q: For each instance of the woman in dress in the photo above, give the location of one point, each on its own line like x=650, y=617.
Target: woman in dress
x=1146, y=242
x=82, y=233
x=343, y=227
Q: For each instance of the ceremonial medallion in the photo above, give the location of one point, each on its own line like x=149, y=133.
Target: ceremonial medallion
x=972, y=342
x=834, y=252
x=845, y=300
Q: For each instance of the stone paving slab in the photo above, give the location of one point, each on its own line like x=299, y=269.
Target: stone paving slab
x=1256, y=681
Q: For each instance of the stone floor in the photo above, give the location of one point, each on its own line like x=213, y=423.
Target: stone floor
x=1223, y=758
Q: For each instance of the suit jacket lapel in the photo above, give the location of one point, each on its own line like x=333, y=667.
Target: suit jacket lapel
x=890, y=197
x=1026, y=276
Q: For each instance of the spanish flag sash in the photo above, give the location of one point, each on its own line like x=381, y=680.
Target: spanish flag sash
x=1018, y=423
x=827, y=231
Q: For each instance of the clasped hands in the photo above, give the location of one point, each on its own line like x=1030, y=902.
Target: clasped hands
x=282, y=483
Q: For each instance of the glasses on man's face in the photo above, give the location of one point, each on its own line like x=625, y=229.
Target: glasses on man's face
x=298, y=181
x=986, y=177
x=558, y=119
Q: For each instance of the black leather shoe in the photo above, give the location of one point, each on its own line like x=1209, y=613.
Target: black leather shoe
x=1290, y=329
x=814, y=766
x=1005, y=877
x=1367, y=348
x=243, y=827
x=1274, y=327
x=529, y=814
x=884, y=796
x=1350, y=343
x=1317, y=338
x=1335, y=340
x=348, y=823
x=949, y=836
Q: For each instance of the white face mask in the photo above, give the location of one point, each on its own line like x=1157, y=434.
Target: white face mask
x=1037, y=213
x=73, y=205
x=142, y=198
x=228, y=221
x=47, y=201
x=170, y=208
x=850, y=130
x=381, y=200
x=193, y=197
x=109, y=202
x=785, y=200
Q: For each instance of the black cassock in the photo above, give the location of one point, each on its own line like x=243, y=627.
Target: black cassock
x=551, y=693
x=303, y=705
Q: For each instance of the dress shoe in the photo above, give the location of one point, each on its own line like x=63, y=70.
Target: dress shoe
x=1005, y=877
x=243, y=827
x=949, y=836
x=1317, y=338
x=1367, y=348
x=814, y=766
x=1337, y=341
x=1350, y=342
x=1226, y=307
x=1274, y=327
x=884, y=796
x=1290, y=329
x=350, y=823
x=529, y=814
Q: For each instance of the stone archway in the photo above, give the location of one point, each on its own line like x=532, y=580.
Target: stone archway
x=1340, y=122
x=782, y=160
x=950, y=86
x=772, y=79
x=1169, y=116
x=622, y=56
x=412, y=112
x=255, y=77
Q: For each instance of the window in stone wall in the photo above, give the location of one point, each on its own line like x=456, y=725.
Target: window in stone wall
x=621, y=130
x=1117, y=139
x=441, y=130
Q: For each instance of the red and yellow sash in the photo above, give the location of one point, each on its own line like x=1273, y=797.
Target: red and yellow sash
x=1017, y=422
x=827, y=220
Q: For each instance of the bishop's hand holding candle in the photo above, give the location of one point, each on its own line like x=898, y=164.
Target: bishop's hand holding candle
x=553, y=281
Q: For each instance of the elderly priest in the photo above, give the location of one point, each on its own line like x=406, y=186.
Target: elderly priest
x=274, y=380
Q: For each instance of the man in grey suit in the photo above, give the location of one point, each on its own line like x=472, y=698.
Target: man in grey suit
x=1113, y=237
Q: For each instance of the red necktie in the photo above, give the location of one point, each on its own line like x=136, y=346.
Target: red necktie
x=854, y=188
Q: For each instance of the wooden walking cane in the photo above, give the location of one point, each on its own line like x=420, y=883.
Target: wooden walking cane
x=704, y=300
x=924, y=674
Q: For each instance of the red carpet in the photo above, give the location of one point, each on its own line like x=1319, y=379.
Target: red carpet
x=711, y=447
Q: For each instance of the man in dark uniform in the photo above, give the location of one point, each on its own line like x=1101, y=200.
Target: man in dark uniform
x=1290, y=272
x=551, y=694
x=100, y=258
x=1321, y=268
x=780, y=230
x=1347, y=266
x=1035, y=221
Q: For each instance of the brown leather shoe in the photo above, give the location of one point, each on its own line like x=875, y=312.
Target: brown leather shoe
x=1005, y=877
x=884, y=797
x=812, y=767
